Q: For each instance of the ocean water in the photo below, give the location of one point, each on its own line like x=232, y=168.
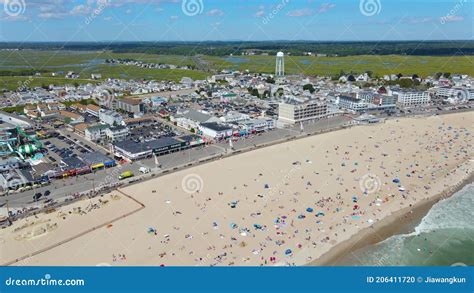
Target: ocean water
x=444, y=237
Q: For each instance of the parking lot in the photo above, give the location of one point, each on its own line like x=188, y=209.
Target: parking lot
x=61, y=148
x=61, y=188
x=70, y=185
x=153, y=132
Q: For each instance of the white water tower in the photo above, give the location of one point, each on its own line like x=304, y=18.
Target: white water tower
x=280, y=64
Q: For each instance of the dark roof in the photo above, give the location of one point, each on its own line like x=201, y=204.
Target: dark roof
x=189, y=138
x=349, y=98
x=139, y=147
x=95, y=158
x=73, y=162
x=216, y=126
x=118, y=128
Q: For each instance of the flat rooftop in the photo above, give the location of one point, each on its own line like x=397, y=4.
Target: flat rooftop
x=132, y=146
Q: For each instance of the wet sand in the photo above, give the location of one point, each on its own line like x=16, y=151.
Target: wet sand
x=401, y=222
x=287, y=204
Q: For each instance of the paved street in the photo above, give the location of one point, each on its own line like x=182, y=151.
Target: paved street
x=63, y=188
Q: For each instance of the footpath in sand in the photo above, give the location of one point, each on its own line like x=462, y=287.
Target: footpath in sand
x=285, y=204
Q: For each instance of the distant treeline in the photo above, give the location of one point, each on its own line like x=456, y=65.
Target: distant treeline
x=420, y=48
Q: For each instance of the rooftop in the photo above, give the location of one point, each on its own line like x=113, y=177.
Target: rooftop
x=132, y=146
x=215, y=126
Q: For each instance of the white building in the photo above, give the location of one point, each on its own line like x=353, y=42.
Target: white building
x=294, y=112
x=352, y=103
x=118, y=133
x=215, y=130
x=455, y=93
x=96, y=132
x=256, y=125
x=234, y=116
x=192, y=119
x=412, y=98
x=93, y=110
x=110, y=117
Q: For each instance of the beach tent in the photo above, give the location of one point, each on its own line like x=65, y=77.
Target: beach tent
x=267, y=186
x=309, y=210
x=233, y=204
x=288, y=251
x=301, y=216
x=396, y=180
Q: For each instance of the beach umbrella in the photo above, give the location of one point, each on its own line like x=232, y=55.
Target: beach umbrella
x=257, y=226
x=151, y=230
x=288, y=251
x=354, y=199
x=309, y=210
x=233, y=225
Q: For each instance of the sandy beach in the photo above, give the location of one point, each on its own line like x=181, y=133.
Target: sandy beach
x=287, y=204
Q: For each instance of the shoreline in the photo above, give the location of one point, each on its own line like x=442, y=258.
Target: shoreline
x=213, y=217
x=401, y=222
x=154, y=174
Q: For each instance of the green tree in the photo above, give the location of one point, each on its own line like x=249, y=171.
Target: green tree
x=280, y=92
x=406, y=83
x=309, y=87
x=270, y=80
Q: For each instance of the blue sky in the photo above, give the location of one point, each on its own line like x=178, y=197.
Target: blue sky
x=173, y=20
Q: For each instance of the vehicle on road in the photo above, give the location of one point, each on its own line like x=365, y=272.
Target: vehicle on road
x=125, y=175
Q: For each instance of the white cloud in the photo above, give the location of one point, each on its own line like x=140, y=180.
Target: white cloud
x=300, y=12
x=260, y=12
x=325, y=7
x=452, y=18
x=81, y=10
x=417, y=20
x=215, y=12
